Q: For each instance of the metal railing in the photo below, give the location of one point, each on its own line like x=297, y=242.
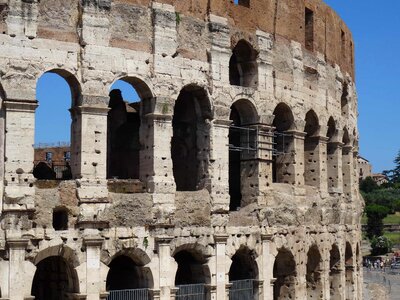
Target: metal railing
x=135, y=294
x=242, y=290
x=191, y=292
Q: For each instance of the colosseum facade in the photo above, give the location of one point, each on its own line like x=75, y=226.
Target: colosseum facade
x=234, y=177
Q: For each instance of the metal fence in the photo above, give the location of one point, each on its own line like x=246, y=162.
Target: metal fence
x=242, y=290
x=191, y=292
x=136, y=294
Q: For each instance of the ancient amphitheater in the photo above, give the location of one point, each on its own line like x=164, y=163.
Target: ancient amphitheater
x=233, y=178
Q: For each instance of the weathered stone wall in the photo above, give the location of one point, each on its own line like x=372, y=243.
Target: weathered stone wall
x=164, y=49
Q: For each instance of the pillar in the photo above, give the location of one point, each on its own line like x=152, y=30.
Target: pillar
x=220, y=256
x=18, y=287
x=334, y=163
x=348, y=171
x=94, y=280
x=19, y=153
x=292, y=170
x=156, y=163
x=219, y=167
x=89, y=152
x=167, y=279
x=315, y=163
x=267, y=271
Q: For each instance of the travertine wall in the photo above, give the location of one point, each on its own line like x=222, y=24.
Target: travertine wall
x=309, y=220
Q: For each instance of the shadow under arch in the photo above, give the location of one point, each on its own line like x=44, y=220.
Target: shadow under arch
x=56, y=276
x=190, y=143
x=335, y=272
x=126, y=126
x=242, y=136
x=313, y=275
x=285, y=273
x=311, y=142
x=282, y=160
x=349, y=271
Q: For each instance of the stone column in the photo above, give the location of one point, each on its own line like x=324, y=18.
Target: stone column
x=334, y=163
x=348, y=170
x=156, y=163
x=167, y=283
x=219, y=167
x=19, y=153
x=17, y=285
x=220, y=255
x=94, y=280
x=294, y=172
x=89, y=152
x=315, y=163
x=267, y=271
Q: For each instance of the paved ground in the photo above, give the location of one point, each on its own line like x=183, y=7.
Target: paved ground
x=381, y=285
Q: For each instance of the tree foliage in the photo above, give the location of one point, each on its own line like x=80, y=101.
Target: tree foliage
x=381, y=245
x=368, y=185
x=376, y=214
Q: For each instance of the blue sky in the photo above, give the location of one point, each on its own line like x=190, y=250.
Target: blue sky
x=376, y=32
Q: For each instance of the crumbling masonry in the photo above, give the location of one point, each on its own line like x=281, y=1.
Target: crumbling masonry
x=239, y=173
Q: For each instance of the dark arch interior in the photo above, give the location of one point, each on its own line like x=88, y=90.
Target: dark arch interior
x=243, y=265
x=283, y=121
x=344, y=99
x=334, y=260
x=346, y=137
x=334, y=273
x=124, y=274
x=285, y=273
x=331, y=129
x=191, y=269
x=348, y=255
x=54, y=279
x=190, y=140
x=243, y=70
x=310, y=144
x=123, y=137
x=313, y=275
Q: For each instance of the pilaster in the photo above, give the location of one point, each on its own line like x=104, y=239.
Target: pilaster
x=334, y=162
x=94, y=284
x=266, y=274
x=166, y=278
x=17, y=287
x=95, y=22
x=220, y=256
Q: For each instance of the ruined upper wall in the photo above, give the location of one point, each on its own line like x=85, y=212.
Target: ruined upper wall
x=284, y=19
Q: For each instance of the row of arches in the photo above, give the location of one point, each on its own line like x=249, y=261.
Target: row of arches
x=56, y=278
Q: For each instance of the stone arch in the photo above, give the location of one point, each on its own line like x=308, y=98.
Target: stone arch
x=190, y=143
x=311, y=155
x=313, y=274
x=126, y=130
x=282, y=161
x=335, y=271
x=127, y=271
x=285, y=273
x=56, y=267
x=62, y=162
x=243, y=69
x=349, y=271
x=242, y=135
x=192, y=267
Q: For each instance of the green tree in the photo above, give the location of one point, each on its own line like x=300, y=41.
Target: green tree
x=381, y=245
x=375, y=213
x=394, y=174
x=368, y=185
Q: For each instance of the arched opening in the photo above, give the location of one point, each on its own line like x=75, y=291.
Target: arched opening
x=313, y=275
x=242, y=275
x=282, y=163
x=332, y=155
x=2, y=132
x=192, y=276
x=129, y=100
x=335, y=272
x=128, y=278
x=285, y=275
x=56, y=149
x=190, y=142
x=54, y=279
x=242, y=153
x=349, y=266
x=311, y=155
x=344, y=100
x=243, y=69
x=60, y=218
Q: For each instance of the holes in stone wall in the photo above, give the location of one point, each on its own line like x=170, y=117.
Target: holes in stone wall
x=243, y=69
x=60, y=219
x=190, y=141
x=309, y=29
